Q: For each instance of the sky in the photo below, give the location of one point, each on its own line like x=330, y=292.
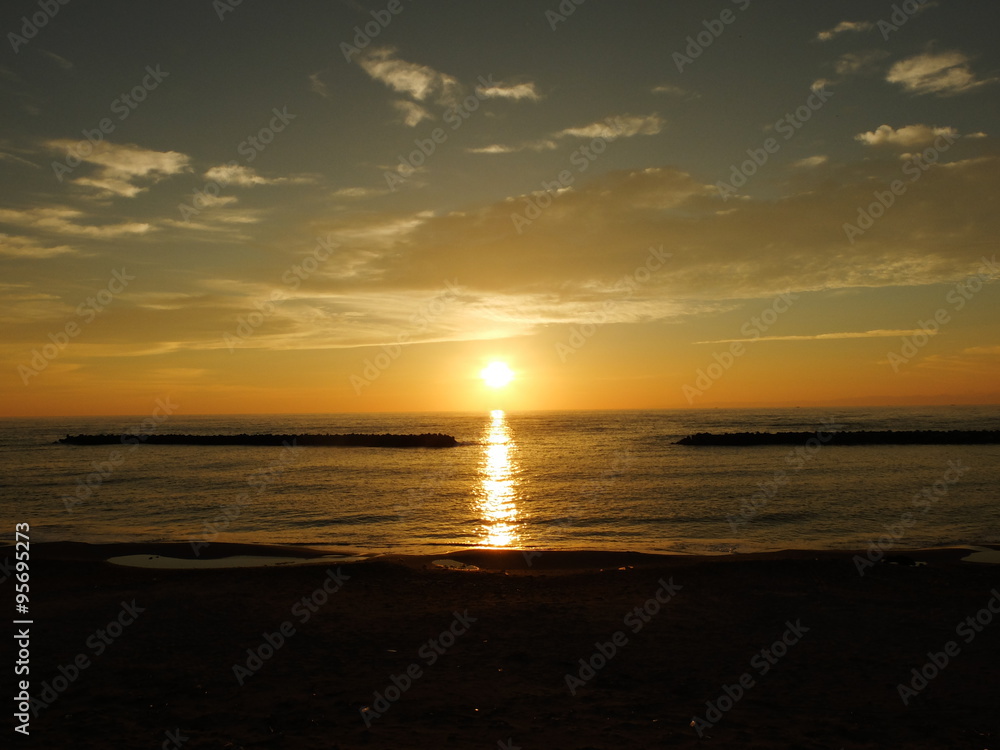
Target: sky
x=351, y=206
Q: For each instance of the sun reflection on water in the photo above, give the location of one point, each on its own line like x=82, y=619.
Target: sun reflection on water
x=498, y=487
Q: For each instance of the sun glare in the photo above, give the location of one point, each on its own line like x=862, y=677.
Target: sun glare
x=496, y=374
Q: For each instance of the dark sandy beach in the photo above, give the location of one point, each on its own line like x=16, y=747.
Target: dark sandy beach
x=794, y=650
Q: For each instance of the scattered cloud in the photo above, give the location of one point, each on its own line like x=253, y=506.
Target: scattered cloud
x=120, y=166
x=417, y=81
x=878, y=334
x=622, y=126
x=811, y=161
x=515, y=91
x=206, y=200
x=544, y=144
x=909, y=136
x=358, y=192
x=13, y=246
x=942, y=73
x=669, y=89
x=241, y=176
x=411, y=113
x=317, y=86
x=843, y=27
x=63, y=220
x=221, y=222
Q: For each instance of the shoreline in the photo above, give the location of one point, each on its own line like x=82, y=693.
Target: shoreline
x=581, y=649
x=487, y=558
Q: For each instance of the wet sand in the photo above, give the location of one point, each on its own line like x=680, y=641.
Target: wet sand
x=791, y=649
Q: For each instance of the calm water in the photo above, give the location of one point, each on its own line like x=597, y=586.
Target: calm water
x=597, y=480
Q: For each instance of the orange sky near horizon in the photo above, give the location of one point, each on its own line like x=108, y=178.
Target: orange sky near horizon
x=446, y=377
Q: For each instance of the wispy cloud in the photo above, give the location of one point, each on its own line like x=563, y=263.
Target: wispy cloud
x=844, y=27
x=877, y=334
x=669, y=90
x=317, y=86
x=811, y=161
x=544, y=144
x=64, y=220
x=27, y=247
x=942, y=73
x=908, y=136
x=120, y=166
x=411, y=113
x=241, y=176
x=17, y=160
x=62, y=62
x=622, y=126
x=413, y=79
x=510, y=91
x=358, y=192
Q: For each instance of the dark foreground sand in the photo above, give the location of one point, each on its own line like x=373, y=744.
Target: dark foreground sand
x=167, y=678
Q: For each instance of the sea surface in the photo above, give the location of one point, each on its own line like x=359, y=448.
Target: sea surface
x=611, y=480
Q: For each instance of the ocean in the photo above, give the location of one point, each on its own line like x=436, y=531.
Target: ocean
x=603, y=480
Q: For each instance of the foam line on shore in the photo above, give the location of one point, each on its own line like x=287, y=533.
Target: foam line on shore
x=218, y=555
x=162, y=562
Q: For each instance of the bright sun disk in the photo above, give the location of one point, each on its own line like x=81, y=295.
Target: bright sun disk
x=496, y=374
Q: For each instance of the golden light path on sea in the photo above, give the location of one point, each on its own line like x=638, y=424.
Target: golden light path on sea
x=497, y=496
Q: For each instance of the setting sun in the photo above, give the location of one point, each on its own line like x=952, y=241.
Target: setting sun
x=497, y=374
